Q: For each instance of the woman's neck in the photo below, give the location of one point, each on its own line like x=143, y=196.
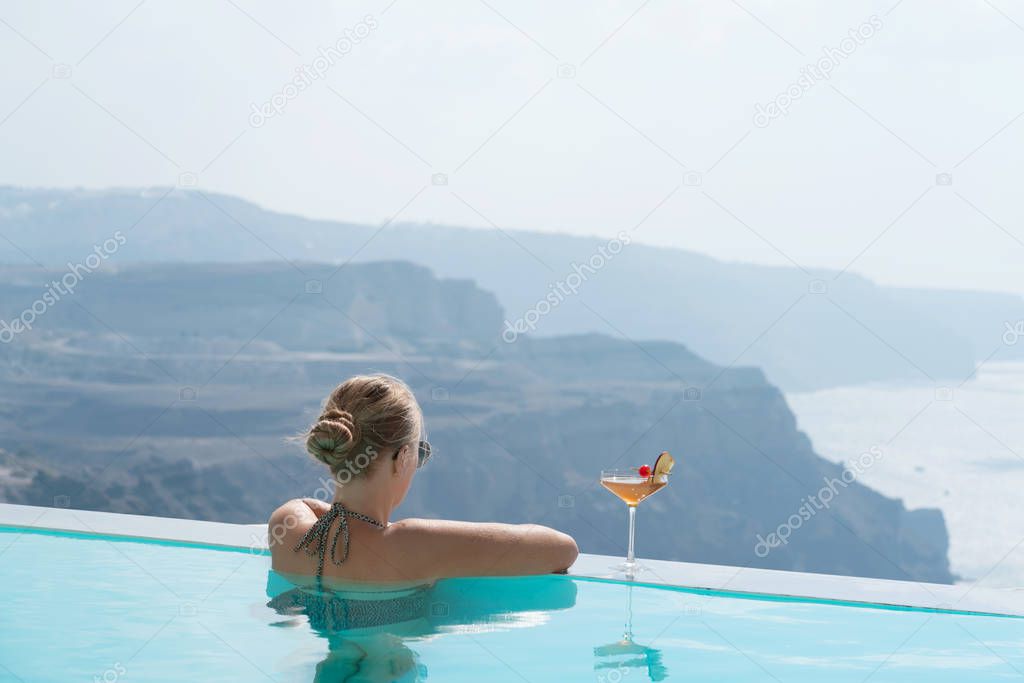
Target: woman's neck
x=369, y=505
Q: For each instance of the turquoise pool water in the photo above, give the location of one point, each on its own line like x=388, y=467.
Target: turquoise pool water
x=99, y=609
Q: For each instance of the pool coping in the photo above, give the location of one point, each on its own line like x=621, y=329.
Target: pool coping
x=763, y=583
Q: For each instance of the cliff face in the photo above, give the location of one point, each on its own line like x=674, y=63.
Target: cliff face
x=351, y=308
x=167, y=391
x=744, y=469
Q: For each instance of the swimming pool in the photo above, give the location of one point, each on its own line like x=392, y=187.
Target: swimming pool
x=80, y=606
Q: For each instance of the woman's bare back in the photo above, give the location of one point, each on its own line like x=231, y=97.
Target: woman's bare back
x=417, y=550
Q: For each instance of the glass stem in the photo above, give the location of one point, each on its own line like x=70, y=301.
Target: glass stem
x=630, y=557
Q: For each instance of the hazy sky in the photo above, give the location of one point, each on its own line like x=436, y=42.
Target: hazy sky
x=580, y=117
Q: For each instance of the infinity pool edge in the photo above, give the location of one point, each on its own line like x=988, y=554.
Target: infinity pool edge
x=738, y=581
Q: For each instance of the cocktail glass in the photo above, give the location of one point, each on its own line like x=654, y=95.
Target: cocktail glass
x=632, y=488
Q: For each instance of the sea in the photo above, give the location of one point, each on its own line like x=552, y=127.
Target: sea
x=955, y=447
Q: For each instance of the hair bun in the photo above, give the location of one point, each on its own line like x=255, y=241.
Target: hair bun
x=332, y=437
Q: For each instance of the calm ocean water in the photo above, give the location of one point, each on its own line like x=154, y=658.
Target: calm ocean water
x=956, y=448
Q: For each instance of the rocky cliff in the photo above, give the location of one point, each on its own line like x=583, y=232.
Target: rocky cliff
x=170, y=390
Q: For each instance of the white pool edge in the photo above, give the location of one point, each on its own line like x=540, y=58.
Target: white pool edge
x=760, y=582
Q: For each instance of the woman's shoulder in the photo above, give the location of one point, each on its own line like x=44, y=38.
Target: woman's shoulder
x=293, y=519
x=299, y=508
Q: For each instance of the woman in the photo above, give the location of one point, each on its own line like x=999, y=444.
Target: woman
x=369, y=435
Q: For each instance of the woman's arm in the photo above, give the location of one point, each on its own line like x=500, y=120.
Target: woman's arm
x=438, y=549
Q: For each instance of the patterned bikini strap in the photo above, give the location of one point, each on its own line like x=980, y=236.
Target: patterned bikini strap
x=315, y=540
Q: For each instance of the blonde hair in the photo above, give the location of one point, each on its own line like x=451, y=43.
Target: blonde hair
x=361, y=417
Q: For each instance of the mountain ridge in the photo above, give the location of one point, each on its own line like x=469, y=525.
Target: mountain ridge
x=806, y=330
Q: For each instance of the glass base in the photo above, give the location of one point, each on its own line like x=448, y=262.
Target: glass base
x=628, y=569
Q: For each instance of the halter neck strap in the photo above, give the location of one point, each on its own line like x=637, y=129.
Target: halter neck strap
x=315, y=540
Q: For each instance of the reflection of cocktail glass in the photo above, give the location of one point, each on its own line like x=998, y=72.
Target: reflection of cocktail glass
x=626, y=654
x=632, y=488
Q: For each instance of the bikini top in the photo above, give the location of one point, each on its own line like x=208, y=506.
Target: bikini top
x=315, y=540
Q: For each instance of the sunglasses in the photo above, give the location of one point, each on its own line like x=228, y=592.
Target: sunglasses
x=423, y=454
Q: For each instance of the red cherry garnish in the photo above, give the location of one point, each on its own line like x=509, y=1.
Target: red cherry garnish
x=645, y=470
